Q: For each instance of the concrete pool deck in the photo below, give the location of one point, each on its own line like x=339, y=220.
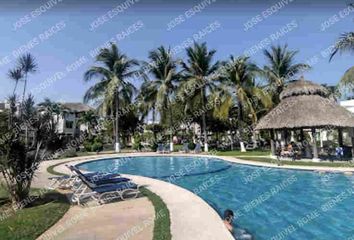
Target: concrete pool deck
x=191, y=217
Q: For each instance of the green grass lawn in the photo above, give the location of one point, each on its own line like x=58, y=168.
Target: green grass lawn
x=30, y=222
x=162, y=222
x=239, y=153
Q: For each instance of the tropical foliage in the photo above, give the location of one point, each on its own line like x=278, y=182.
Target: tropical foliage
x=113, y=90
x=197, y=82
x=158, y=92
x=280, y=69
x=240, y=77
x=23, y=144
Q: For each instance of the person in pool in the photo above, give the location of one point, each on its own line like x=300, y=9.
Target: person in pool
x=228, y=219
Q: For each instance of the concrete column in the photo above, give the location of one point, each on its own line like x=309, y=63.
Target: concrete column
x=314, y=146
x=272, y=143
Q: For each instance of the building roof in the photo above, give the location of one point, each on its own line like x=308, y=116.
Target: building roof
x=75, y=107
x=304, y=105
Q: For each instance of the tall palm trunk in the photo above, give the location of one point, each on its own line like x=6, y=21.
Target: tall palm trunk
x=153, y=122
x=171, y=128
x=24, y=88
x=240, y=130
x=206, y=149
x=21, y=110
x=15, y=87
x=117, y=144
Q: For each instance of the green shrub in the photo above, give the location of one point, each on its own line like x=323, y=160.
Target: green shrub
x=87, y=145
x=191, y=146
x=97, y=147
x=93, y=145
x=154, y=147
x=137, y=142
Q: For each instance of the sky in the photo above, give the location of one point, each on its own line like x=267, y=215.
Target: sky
x=63, y=35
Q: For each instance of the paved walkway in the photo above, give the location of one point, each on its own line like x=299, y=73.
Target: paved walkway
x=133, y=219
x=125, y=220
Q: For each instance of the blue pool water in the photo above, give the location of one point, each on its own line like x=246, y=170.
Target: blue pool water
x=269, y=203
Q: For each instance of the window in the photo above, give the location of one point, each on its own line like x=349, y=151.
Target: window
x=69, y=124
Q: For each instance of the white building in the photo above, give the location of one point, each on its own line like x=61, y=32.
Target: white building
x=348, y=104
x=4, y=106
x=68, y=119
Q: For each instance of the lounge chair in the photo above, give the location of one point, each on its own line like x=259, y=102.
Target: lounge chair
x=166, y=148
x=160, y=148
x=198, y=148
x=185, y=148
x=101, y=178
x=251, y=146
x=69, y=181
x=104, y=192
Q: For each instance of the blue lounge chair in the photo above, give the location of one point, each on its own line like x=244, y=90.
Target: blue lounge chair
x=102, y=178
x=198, y=148
x=160, y=148
x=185, y=148
x=104, y=192
x=167, y=148
x=69, y=181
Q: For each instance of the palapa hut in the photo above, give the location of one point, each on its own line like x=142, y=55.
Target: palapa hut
x=305, y=105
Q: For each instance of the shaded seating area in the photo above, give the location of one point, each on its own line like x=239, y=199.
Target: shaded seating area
x=305, y=116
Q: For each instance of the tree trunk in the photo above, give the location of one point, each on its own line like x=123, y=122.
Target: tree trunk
x=206, y=149
x=117, y=144
x=171, y=128
x=153, y=122
x=24, y=89
x=239, y=116
x=15, y=87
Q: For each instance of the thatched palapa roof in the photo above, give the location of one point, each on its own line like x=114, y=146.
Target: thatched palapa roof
x=305, y=104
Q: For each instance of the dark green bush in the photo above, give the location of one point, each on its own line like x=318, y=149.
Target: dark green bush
x=137, y=142
x=191, y=146
x=93, y=145
x=97, y=147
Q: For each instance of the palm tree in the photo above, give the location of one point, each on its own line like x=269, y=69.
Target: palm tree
x=160, y=90
x=27, y=63
x=16, y=75
x=51, y=111
x=113, y=91
x=147, y=100
x=90, y=120
x=240, y=77
x=281, y=68
x=198, y=67
x=345, y=43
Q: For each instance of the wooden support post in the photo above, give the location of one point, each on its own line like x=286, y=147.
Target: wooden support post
x=352, y=138
x=340, y=137
x=314, y=145
x=272, y=143
x=286, y=135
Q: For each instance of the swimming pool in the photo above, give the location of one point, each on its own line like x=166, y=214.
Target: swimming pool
x=269, y=203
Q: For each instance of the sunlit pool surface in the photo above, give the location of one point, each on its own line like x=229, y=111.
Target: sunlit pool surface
x=269, y=203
